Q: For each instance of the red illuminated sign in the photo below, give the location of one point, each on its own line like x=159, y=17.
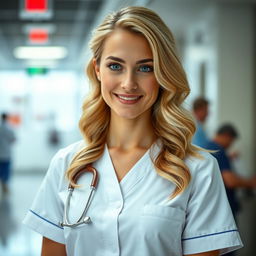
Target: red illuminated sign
x=36, y=5
x=38, y=35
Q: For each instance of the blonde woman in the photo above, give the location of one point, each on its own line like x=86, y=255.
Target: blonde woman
x=157, y=195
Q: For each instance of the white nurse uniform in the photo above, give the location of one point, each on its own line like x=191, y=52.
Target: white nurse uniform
x=135, y=217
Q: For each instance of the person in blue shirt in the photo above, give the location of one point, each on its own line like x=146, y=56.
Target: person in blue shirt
x=7, y=137
x=200, y=111
x=224, y=138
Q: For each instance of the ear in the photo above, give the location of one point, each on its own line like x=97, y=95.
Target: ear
x=96, y=68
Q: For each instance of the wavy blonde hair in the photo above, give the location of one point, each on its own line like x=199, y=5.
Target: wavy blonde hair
x=172, y=124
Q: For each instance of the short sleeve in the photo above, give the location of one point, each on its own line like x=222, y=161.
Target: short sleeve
x=209, y=221
x=47, y=209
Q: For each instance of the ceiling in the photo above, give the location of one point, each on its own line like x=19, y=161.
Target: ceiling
x=69, y=25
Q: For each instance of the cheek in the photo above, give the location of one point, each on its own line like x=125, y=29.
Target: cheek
x=107, y=87
x=152, y=88
x=106, y=79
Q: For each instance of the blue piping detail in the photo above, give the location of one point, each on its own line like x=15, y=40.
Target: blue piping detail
x=46, y=220
x=219, y=233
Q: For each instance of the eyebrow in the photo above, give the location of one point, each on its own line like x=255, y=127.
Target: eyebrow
x=122, y=61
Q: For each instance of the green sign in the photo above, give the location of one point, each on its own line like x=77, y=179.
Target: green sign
x=37, y=71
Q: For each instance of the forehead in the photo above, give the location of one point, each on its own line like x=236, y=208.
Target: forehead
x=125, y=44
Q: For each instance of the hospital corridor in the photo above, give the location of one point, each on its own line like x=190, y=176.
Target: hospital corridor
x=44, y=51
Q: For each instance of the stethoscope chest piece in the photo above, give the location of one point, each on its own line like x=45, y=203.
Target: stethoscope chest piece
x=83, y=219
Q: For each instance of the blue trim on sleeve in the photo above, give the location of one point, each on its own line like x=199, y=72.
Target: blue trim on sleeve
x=46, y=220
x=214, y=234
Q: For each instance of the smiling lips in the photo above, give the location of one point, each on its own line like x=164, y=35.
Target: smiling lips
x=128, y=98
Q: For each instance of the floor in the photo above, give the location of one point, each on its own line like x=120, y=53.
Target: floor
x=17, y=240
x=247, y=223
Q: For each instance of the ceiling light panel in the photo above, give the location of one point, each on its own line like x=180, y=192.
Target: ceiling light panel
x=40, y=53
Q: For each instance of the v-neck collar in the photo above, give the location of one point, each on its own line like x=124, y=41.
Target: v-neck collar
x=135, y=174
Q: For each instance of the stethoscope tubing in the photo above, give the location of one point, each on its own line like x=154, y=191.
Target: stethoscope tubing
x=83, y=219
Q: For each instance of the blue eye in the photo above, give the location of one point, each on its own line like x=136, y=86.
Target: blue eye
x=146, y=68
x=115, y=67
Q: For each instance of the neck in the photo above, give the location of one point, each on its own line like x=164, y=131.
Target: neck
x=130, y=133
x=199, y=120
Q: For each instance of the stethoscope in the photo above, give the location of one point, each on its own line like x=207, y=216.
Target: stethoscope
x=83, y=219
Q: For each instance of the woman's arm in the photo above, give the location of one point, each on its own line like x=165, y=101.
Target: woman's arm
x=50, y=247
x=211, y=253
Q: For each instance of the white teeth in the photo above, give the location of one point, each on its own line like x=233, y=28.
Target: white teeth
x=128, y=98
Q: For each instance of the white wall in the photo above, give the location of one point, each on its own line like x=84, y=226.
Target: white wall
x=42, y=103
x=236, y=75
x=227, y=49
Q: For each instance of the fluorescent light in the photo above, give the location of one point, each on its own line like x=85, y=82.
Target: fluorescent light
x=40, y=53
x=41, y=63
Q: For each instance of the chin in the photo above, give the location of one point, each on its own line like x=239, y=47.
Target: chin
x=129, y=116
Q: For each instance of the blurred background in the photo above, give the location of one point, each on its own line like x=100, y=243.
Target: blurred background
x=43, y=54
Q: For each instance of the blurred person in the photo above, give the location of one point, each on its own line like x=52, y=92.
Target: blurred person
x=7, y=138
x=222, y=141
x=54, y=138
x=157, y=193
x=200, y=111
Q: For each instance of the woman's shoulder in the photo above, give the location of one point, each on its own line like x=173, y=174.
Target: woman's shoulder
x=204, y=171
x=204, y=164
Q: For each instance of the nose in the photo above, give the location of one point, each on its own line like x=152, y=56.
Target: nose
x=129, y=82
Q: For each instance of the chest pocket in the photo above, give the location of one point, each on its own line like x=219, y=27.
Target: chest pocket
x=162, y=226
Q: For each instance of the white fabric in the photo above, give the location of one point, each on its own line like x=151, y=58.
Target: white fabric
x=135, y=217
